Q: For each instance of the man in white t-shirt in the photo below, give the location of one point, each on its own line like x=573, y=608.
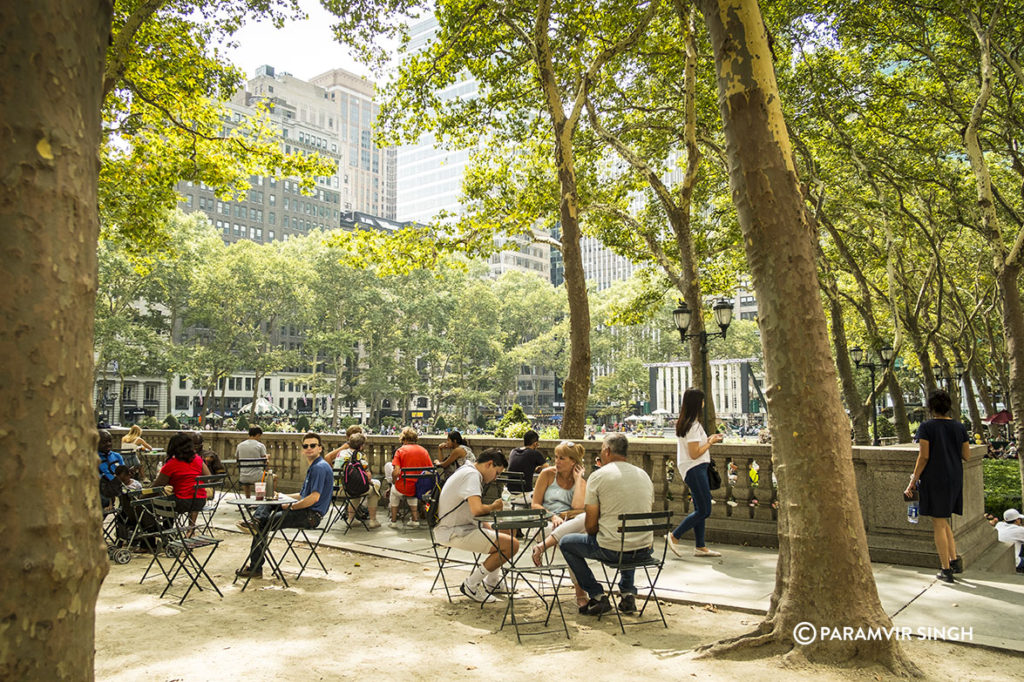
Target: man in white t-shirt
x=458, y=527
x=616, y=488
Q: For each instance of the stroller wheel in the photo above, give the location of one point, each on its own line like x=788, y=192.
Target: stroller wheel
x=122, y=555
x=110, y=552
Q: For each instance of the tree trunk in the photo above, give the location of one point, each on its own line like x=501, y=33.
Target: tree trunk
x=1007, y=276
x=972, y=401
x=899, y=409
x=577, y=381
x=858, y=412
x=52, y=550
x=823, y=555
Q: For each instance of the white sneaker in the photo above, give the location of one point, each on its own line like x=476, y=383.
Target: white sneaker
x=673, y=544
x=474, y=593
x=500, y=589
x=412, y=524
x=373, y=524
x=395, y=524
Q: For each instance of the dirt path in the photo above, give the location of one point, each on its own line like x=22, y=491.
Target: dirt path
x=373, y=619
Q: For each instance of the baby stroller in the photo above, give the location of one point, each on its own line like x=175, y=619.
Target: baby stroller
x=133, y=525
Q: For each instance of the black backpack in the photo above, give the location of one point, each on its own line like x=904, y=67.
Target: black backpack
x=355, y=479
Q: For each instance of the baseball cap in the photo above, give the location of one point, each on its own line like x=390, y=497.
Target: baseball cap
x=1011, y=515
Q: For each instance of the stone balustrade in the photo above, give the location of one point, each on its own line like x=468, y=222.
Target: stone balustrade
x=743, y=510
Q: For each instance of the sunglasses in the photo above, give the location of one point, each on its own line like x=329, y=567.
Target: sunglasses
x=310, y=446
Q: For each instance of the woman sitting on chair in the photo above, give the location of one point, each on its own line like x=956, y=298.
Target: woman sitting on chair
x=560, y=490
x=180, y=471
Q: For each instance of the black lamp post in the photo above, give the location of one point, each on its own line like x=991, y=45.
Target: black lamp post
x=857, y=353
x=723, y=317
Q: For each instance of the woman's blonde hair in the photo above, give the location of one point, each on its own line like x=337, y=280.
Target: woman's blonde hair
x=134, y=432
x=573, y=451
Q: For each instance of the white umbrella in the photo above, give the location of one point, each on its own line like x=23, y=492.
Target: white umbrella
x=661, y=411
x=263, y=406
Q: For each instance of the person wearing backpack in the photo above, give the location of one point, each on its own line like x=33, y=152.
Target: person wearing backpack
x=357, y=481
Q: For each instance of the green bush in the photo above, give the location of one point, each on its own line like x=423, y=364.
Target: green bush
x=172, y=422
x=302, y=424
x=481, y=422
x=517, y=430
x=243, y=423
x=440, y=425
x=549, y=433
x=149, y=423
x=885, y=427
x=1002, y=485
x=513, y=416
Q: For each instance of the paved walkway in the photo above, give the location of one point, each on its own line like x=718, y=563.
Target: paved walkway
x=988, y=607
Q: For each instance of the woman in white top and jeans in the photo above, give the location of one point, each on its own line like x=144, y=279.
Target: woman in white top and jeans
x=692, y=460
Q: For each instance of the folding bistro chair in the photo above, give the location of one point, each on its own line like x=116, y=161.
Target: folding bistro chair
x=209, y=484
x=520, y=499
x=182, y=551
x=542, y=582
x=442, y=554
x=248, y=463
x=340, y=501
x=656, y=522
x=293, y=547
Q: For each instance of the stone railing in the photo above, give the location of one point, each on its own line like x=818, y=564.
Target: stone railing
x=743, y=511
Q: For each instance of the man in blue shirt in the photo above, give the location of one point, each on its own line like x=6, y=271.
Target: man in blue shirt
x=109, y=461
x=310, y=506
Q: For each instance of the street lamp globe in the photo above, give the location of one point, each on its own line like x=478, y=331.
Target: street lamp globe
x=682, y=316
x=857, y=353
x=723, y=314
x=886, y=353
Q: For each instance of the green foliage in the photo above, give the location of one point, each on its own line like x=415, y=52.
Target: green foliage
x=440, y=425
x=172, y=422
x=515, y=430
x=1002, y=485
x=549, y=433
x=515, y=415
x=164, y=119
x=885, y=427
x=243, y=423
x=148, y=422
x=302, y=424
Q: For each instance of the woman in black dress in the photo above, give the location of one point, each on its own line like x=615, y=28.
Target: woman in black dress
x=939, y=477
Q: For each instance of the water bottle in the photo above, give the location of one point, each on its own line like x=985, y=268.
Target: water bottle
x=505, y=496
x=912, y=510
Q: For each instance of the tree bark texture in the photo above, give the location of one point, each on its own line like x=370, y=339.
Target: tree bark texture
x=53, y=559
x=823, y=556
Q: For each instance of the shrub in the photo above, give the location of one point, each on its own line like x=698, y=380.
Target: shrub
x=243, y=423
x=441, y=426
x=513, y=416
x=549, y=433
x=172, y=422
x=481, y=421
x=1002, y=485
x=302, y=424
x=517, y=430
x=149, y=423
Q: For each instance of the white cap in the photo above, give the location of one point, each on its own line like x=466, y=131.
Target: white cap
x=1011, y=515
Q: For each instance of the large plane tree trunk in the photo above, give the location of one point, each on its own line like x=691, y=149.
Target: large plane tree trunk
x=51, y=546
x=823, y=555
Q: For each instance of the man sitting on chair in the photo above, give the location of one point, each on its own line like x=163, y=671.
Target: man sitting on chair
x=616, y=488
x=457, y=525
x=311, y=504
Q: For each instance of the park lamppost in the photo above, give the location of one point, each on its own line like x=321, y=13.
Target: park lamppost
x=723, y=317
x=857, y=353
x=941, y=373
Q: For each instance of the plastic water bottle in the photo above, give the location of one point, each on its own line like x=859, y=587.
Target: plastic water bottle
x=912, y=510
x=506, y=495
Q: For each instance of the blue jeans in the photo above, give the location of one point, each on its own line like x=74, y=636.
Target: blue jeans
x=578, y=547
x=697, y=481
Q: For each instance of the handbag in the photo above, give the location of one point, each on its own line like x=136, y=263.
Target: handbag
x=714, y=478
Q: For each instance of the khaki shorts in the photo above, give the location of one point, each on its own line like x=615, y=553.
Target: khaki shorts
x=481, y=541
